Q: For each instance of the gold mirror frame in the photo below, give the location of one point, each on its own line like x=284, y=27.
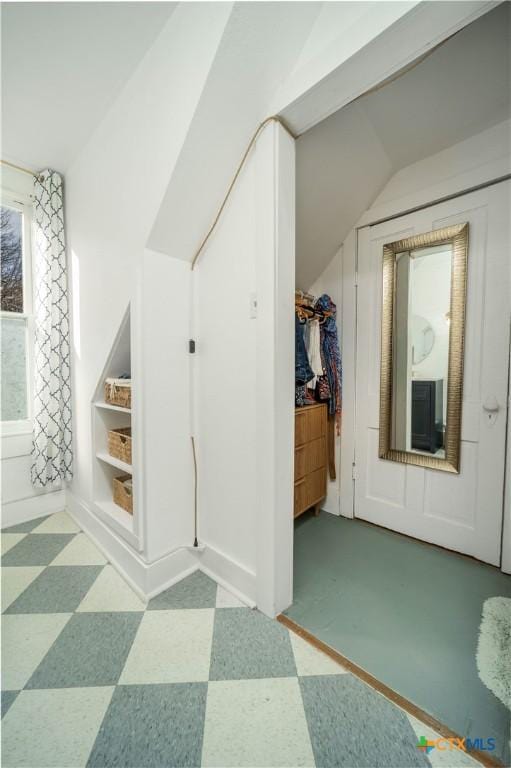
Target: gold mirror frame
x=458, y=237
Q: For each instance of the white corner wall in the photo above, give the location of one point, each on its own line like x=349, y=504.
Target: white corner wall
x=113, y=193
x=114, y=189
x=244, y=379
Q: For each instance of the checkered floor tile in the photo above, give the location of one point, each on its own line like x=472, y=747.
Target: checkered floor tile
x=92, y=676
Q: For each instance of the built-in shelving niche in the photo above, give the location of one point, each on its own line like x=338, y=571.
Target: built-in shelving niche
x=106, y=467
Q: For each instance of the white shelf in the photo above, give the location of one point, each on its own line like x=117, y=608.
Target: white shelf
x=117, y=513
x=119, y=520
x=114, y=462
x=109, y=407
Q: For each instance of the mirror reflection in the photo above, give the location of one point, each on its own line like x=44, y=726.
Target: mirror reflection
x=421, y=352
x=424, y=282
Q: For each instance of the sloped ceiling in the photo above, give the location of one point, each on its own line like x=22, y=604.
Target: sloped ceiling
x=62, y=66
x=258, y=49
x=343, y=163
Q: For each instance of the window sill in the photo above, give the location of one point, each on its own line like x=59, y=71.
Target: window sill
x=15, y=428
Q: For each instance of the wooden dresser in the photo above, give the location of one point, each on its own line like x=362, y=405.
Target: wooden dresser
x=310, y=457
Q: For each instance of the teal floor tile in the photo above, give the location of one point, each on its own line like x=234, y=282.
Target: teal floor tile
x=148, y=726
x=407, y=612
x=37, y=549
x=196, y=591
x=7, y=699
x=59, y=589
x=91, y=650
x=248, y=645
x=352, y=725
x=25, y=527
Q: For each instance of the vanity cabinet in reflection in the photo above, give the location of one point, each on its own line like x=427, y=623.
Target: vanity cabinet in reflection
x=427, y=414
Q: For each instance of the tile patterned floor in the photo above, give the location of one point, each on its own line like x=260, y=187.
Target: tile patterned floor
x=94, y=677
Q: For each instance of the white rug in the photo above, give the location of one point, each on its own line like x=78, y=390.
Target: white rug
x=494, y=648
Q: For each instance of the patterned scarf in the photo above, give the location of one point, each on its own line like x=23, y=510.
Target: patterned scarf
x=331, y=356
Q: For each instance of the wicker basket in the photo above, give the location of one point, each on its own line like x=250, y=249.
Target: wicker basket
x=118, y=392
x=123, y=492
x=119, y=444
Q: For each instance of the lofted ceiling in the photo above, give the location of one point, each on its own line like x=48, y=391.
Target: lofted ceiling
x=63, y=64
x=461, y=89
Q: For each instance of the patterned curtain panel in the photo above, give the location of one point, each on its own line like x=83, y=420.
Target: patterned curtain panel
x=52, y=456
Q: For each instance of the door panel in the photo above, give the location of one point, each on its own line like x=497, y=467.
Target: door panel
x=461, y=512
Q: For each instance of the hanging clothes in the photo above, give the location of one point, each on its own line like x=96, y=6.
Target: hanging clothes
x=331, y=358
x=303, y=371
x=313, y=344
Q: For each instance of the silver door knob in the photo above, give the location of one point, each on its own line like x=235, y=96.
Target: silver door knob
x=491, y=405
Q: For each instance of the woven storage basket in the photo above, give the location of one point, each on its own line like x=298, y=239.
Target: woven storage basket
x=119, y=444
x=123, y=492
x=117, y=393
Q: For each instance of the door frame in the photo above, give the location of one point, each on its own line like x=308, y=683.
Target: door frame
x=427, y=26
x=351, y=320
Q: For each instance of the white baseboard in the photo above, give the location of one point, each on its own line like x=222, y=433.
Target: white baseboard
x=229, y=574
x=331, y=503
x=170, y=569
x=15, y=512
x=146, y=579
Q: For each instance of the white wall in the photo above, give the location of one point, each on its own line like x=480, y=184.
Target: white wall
x=244, y=422
x=330, y=282
x=485, y=156
x=165, y=388
x=113, y=193
x=20, y=500
x=506, y=533
x=226, y=415
x=430, y=298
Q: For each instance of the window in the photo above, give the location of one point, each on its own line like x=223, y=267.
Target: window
x=15, y=314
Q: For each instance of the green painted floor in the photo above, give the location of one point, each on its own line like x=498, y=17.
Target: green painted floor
x=406, y=612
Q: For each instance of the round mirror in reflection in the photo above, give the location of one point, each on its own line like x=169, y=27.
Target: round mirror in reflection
x=423, y=338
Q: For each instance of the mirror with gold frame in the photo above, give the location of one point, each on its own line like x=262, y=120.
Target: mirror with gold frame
x=423, y=321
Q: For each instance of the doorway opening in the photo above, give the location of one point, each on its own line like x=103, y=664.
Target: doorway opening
x=398, y=567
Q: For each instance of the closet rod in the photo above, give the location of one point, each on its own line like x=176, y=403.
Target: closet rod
x=437, y=201
x=21, y=169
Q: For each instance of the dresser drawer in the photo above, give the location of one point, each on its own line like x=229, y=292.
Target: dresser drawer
x=310, y=457
x=315, y=487
x=316, y=423
x=310, y=423
x=300, y=462
x=300, y=427
x=315, y=455
x=300, y=497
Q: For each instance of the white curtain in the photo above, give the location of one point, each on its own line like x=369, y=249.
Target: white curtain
x=52, y=456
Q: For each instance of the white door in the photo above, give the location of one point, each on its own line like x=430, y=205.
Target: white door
x=460, y=512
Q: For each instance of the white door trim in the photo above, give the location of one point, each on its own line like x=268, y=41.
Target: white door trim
x=399, y=504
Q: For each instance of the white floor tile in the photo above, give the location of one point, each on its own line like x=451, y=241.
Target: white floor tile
x=9, y=540
x=26, y=638
x=55, y=727
x=225, y=599
x=310, y=661
x=256, y=723
x=59, y=522
x=110, y=593
x=171, y=647
x=15, y=581
x=442, y=758
x=80, y=551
